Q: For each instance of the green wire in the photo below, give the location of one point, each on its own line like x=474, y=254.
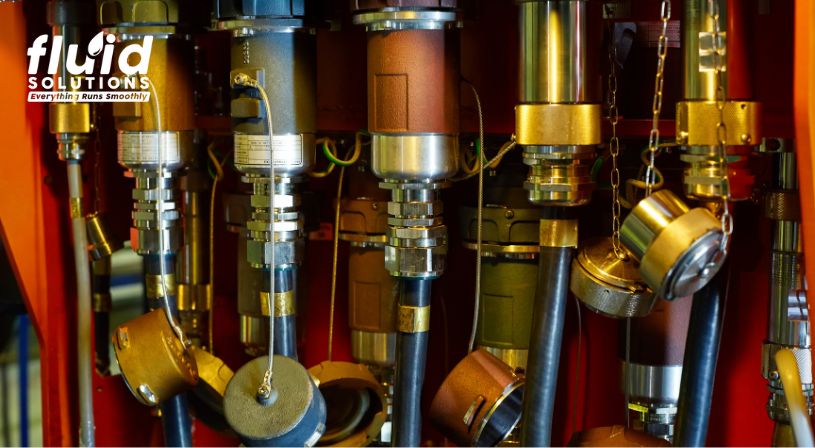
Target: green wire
x=332, y=158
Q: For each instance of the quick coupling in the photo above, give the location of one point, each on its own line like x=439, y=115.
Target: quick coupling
x=416, y=235
x=288, y=225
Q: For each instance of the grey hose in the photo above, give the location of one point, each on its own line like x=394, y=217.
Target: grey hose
x=544, y=346
x=83, y=319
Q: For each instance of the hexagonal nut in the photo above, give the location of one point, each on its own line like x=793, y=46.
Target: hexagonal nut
x=259, y=253
x=280, y=201
x=415, y=209
x=146, y=241
x=415, y=262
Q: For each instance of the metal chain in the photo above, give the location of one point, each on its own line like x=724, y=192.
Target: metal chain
x=721, y=128
x=614, y=146
x=656, y=105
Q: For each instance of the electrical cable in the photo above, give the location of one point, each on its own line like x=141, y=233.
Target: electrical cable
x=219, y=175
x=85, y=362
x=265, y=389
x=479, y=219
x=160, y=211
x=334, y=264
x=493, y=163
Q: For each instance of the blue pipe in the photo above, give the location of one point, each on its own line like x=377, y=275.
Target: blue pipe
x=22, y=364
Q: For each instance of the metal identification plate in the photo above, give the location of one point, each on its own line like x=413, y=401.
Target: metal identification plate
x=143, y=147
x=253, y=150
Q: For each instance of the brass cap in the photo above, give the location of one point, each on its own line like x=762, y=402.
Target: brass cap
x=155, y=365
x=355, y=400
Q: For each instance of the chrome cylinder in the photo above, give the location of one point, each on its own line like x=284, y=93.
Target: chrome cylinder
x=653, y=395
x=704, y=173
x=788, y=325
x=554, y=69
x=697, y=58
x=553, y=52
x=677, y=247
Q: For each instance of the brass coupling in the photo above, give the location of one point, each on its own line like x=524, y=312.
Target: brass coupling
x=283, y=303
x=414, y=319
x=73, y=118
x=100, y=243
x=558, y=233
x=155, y=286
x=557, y=140
x=782, y=205
x=557, y=124
x=696, y=123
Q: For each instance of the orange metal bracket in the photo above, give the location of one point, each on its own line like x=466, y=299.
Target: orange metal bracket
x=804, y=104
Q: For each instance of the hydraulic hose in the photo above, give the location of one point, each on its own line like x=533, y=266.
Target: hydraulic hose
x=411, y=352
x=175, y=418
x=285, y=328
x=101, y=313
x=699, y=366
x=175, y=422
x=83, y=293
x=544, y=347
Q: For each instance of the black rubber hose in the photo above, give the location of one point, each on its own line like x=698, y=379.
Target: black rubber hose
x=175, y=417
x=544, y=346
x=101, y=328
x=411, y=356
x=101, y=324
x=699, y=365
x=285, y=327
x=175, y=422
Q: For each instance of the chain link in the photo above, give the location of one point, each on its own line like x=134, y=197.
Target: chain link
x=614, y=146
x=656, y=105
x=721, y=126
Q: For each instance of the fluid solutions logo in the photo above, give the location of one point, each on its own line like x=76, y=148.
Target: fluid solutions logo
x=86, y=82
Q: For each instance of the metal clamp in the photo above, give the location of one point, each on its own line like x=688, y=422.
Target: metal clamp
x=414, y=319
x=557, y=124
x=741, y=118
x=558, y=233
x=283, y=303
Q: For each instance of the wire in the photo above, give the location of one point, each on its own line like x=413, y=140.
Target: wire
x=218, y=176
x=326, y=142
x=265, y=389
x=160, y=193
x=479, y=225
x=334, y=264
x=494, y=162
x=267, y=378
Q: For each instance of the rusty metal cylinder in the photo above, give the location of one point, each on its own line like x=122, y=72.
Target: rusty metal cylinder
x=413, y=91
x=413, y=82
x=372, y=292
x=479, y=403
